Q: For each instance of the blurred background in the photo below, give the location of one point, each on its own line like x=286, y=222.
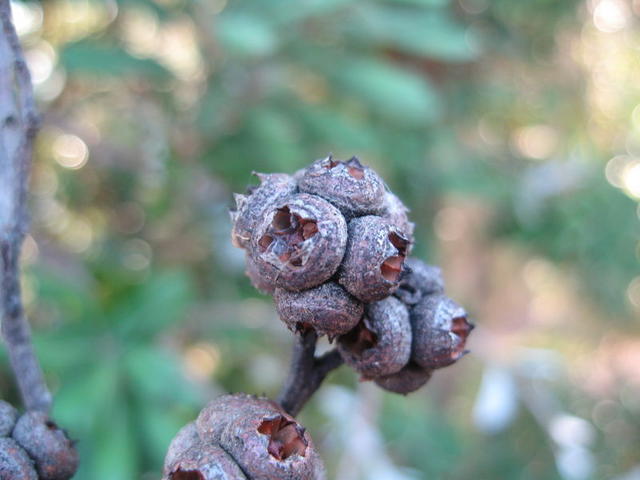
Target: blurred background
x=511, y=129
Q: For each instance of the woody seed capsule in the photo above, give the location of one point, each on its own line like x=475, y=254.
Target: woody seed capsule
x=218, y=413
x=397, y=214
x=203, y=462
x=407, y=380
x=328, y=309
x=15, y=464
x=185, y=439
x=440, y=330
x=374, y=258
x=300, y=242
x=271, y=445
x=8, y=418
x=418, y=281
x=381, y=343
x=48, y=446
x=355, y=189
x=251, y=207
x=259, y=282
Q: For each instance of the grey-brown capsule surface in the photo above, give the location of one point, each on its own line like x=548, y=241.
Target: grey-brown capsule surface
x=218, y=413
x=271, y=446
x=397, y=213
x=419, y=280
x=8, y=418
x=259, y=282
x=203, y=462
x=48, y=446
x=381, y=343
x=440, y=330
x=15, y=464
x=374, y=258
x=328, y=309
x=409, y=379
x=185, y=439
x=250, y=208
x=355, y=189
x=300, y=242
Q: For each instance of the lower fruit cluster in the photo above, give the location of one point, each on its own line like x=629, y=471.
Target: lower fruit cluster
x=33, y=447
x=243, y=437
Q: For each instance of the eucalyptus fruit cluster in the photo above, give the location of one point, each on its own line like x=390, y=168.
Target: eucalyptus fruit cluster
x=33, y=447
x=242, y=437
x=332, y=244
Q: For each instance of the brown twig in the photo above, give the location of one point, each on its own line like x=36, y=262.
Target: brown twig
x=18, y=127
x=306, y=372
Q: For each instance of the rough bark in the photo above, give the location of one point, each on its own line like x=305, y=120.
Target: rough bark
x=18, y=127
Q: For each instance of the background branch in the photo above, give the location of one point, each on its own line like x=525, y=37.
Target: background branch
x=18, y=126
x=306, y=372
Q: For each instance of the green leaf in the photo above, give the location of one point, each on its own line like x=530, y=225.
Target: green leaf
x=156, y=7
x=276, y=135
x=156, y=304
x=335, y=130
x=72, y=295
x=115, y=454
x=244, y=34
x=425, y=33
x=156, y=377
x=390, y=91
x=421, y=3
x=280, y=11
x=61, y=351
x=87, y=57
x=94, y=390
x=157, y=430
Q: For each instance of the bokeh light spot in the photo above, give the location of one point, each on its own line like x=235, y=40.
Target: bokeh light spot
x=30, y=251
x=610, y=16
x=633, y=292
x=41, y=60
x=631, y=179
x=137, y=255
x=615, y=168
x=27, y=17
x=70, y=151
x=201, y=360
x=536, y=141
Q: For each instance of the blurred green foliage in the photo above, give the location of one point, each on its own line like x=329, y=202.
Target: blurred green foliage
x=156, y=110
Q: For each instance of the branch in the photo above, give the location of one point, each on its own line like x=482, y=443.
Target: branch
x=18, y=127
x=306, y=372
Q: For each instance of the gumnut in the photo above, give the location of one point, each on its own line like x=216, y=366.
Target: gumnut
x=265, y=441
x=328, y=309
x=374, y=258
x=185, y=439
x=8, y=418
x=250, y=207
x=440, y=330
x=381, y=342
x=259, y=282
x=352, y=187
x=300, y=242
x=48, y=446
x=272, y=446
x=218, y=413
x=397, y=214
x=419, y=280
x=15, y=464
x=203, y=462
x=409, y=379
